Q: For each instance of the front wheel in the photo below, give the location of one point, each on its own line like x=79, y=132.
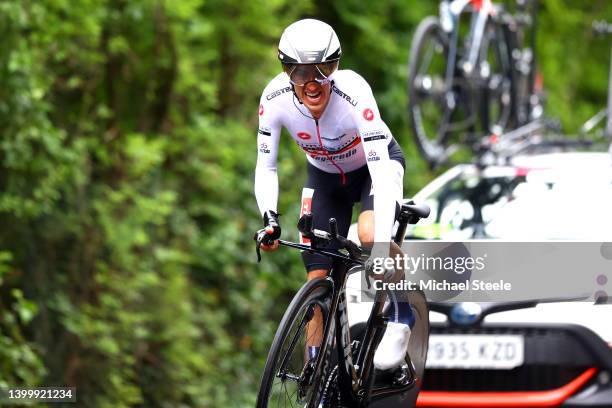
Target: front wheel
x=290, y=378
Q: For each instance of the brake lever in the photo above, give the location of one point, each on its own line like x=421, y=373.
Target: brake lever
x=367, y=268
x=259, y=236
x=353, y=249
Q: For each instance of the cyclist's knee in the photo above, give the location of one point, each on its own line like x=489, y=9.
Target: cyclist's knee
x=317, y=274
x=366, y=238
x=365, y=228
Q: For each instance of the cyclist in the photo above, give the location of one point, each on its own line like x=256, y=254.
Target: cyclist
x=351, y=157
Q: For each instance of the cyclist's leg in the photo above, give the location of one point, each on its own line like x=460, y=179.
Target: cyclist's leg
x=396, y=338
x=365, y=228
x=314, y=330
x=317, y=267
x=365, y=231
x=365, y=224
x=323, y=199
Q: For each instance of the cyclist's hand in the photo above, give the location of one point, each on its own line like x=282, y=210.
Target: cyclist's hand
x=272, y=231
x=270, y=248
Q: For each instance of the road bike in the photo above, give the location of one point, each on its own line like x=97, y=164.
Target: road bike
x=342, y=374
x=469, y=80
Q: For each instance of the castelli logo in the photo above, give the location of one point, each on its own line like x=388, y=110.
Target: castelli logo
x=260, y=110
x=304, y=135
x=368, y=114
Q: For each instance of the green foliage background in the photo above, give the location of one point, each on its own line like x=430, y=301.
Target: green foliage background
x=127, y=150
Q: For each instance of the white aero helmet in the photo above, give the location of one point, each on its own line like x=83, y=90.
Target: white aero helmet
x=309, y=50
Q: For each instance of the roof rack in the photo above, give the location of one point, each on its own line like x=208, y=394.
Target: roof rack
x=546, y=134
x=534, y=137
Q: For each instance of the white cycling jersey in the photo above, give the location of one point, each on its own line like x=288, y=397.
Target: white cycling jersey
x=349, y=135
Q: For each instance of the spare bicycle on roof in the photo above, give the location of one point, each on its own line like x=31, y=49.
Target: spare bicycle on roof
x=466, y=80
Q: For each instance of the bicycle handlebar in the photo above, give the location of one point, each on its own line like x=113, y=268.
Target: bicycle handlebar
x=305, y=227
x=316, y=236
x=410, y=213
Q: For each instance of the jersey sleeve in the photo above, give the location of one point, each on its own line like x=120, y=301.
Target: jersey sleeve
x=266, y=178
x=375, y=136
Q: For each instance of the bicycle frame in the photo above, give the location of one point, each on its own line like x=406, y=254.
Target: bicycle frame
x=354, y=378
x=449, y=21
x=484, y=9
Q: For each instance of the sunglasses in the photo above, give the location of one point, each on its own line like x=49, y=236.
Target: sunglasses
x=301, y=74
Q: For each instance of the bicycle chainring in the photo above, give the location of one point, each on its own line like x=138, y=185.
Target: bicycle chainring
x=331, y=395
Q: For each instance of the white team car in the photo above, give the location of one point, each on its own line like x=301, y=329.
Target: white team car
x=556, y=353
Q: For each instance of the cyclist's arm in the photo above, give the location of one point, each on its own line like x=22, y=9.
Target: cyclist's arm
x=266, y=178
x=374, y=134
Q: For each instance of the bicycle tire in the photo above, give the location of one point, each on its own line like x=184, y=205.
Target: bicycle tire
x=430, y=148
x=498, y=112
x=316, y=291
x=419, y=337
x=417, y=354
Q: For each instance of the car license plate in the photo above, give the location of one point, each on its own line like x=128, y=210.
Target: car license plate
x=475, y=351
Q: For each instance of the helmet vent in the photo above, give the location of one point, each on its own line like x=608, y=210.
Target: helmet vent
x=311, y=56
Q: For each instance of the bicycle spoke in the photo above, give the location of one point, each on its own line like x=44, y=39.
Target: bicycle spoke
x=443, y=126
x=288, y=396
x=427, y=59
x=305, y=319
x=292, y=396
x=278, y=399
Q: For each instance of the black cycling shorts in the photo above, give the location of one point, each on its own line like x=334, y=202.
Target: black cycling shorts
x=324, y=196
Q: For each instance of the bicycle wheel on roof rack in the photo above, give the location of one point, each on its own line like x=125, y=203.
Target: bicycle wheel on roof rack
x=498, y=109
x=438, y=116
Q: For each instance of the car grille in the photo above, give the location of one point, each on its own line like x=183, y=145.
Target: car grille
x=553, y=357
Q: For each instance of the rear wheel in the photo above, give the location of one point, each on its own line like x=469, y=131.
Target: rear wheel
x=419, y=337
x=290, y=379
x=402, y=388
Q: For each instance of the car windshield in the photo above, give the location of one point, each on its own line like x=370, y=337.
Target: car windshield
x=516, y=204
